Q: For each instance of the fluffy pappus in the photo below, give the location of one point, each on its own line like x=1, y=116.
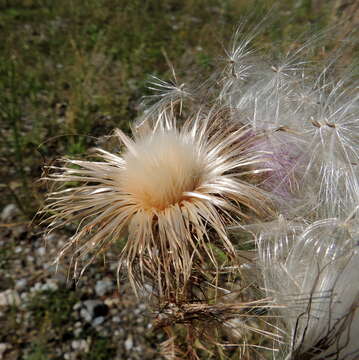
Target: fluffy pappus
x=311, y=120
x=310, y=270
x=172, y=190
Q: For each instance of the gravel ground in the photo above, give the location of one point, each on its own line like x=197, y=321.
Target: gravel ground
x=43, y=315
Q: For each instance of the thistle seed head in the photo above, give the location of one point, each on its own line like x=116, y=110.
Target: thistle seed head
x=172, y=190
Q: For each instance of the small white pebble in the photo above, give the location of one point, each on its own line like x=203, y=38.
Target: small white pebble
x=3, y=348
x=9, y=297
x=129, y=343
x=41, y=251
x=20, y=284
x=18, y=249
x=116, y=319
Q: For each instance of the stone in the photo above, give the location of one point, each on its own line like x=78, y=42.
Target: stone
x=3, y=348
x=104, y=286
x=18, y=249
x=9, y=212
x=116, y=319
x=77, y=306
x=24, y=296
x=9, y=297
x=119, y=333
x=30, y=259
x=50, y=285
x=41, y=251
x=36, y=287
x=93, y=309
x=86, y=315
x=77, y=332
x=98, y=321
x=80, y=345
x=20, y=284
x=129, y=343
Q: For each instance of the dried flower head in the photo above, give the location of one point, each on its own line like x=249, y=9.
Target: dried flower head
x=171, y=189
